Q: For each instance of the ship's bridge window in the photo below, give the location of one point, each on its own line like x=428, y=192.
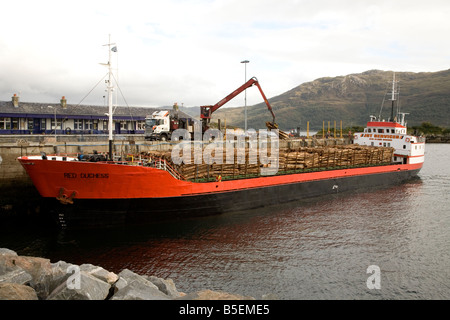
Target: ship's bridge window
x=380, y=130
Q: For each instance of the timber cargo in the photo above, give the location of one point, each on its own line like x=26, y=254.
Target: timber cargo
x=290, y=160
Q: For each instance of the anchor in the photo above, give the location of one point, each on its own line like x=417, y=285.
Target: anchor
x=63, y=197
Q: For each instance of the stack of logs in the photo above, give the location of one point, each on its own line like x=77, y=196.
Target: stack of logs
x=289, y=161
x=281, y=134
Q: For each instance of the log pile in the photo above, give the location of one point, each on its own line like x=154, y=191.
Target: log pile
x=289, y=160
x=282, y=135
x=333, y=156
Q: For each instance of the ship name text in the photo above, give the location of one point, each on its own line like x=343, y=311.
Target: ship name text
x=72, y=175
x=382, y=136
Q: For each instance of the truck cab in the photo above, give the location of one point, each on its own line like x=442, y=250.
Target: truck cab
x=161, y=124
x=157, y=126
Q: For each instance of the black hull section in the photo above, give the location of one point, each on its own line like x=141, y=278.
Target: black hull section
x=105, y=213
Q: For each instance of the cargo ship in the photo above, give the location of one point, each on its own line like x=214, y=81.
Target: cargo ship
x=93, y=191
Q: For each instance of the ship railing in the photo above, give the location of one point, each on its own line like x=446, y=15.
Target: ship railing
x=157, y=163
x=163, y=165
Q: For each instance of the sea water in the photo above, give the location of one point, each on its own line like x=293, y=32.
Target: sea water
x=391, y=243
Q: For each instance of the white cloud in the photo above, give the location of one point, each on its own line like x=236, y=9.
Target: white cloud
x=190, y=51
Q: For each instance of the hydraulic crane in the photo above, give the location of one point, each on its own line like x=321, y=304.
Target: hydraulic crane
x=207, y=111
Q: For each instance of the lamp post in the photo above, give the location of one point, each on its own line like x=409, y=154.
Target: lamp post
x=245, y=92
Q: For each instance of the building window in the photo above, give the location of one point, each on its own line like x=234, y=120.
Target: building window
x=380, y=130
x=30, y=124
x=5, y=123
x=88, y=124
x=78, y=124
x=43, y=124
x=123, y=125
x=15, y=123
x=58, y=123
x=141, y=125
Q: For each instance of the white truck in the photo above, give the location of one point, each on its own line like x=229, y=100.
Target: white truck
x=161, y=124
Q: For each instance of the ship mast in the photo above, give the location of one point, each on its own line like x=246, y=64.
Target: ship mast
x=393, y=99
x=110, y=89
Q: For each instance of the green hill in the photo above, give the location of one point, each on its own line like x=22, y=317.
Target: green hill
x=352, y=99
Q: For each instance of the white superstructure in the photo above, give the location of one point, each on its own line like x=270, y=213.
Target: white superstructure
x=409, y=149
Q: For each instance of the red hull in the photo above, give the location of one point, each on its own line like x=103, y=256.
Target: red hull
x=97, y=180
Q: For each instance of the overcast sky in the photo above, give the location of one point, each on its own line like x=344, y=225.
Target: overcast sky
x=190, y=51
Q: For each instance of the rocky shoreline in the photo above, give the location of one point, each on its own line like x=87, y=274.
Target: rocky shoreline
x=35, y=278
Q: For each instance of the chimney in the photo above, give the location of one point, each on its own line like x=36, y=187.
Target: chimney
x=15, y=101
x=63, y=102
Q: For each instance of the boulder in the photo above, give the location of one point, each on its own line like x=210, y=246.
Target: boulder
x=18, y=276
x=129, y=276
x=7, y=252
x=50, y=281
x=86, y=287
x=33, y=265
x=100, y=273
x=23, y=269
x=36, y=267
x=132, y=286
x=15, y=291
x=139, y=290
x=166, y=286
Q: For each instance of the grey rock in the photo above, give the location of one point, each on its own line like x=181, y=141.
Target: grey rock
x=139, y=290
x=166, y=286
x=90, y=288
x=23, y=270
x=15, y=291
x=18, y=276
x=58, y=275
x=129, y=276
x=7, y=252
x=100, y=273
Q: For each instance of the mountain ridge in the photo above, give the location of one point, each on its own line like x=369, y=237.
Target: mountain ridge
x=351, y=98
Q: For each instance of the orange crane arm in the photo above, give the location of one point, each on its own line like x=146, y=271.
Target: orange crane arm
x=206, y=111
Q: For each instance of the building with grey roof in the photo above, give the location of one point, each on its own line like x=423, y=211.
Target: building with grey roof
x=18, y=117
